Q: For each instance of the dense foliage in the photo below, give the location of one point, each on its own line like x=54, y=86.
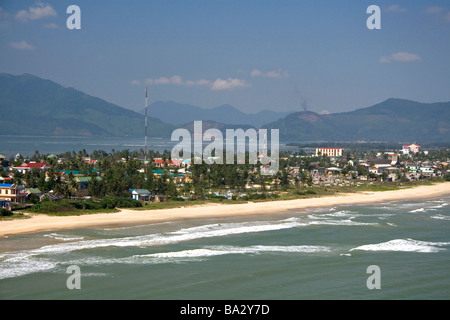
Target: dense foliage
x=65, y=205
x=4, y=212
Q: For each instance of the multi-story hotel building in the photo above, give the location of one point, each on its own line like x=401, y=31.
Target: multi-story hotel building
x=330, y=152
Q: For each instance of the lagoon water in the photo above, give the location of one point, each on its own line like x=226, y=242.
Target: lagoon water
x=10, y=145
x=318, y=254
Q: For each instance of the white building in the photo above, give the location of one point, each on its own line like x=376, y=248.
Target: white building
x=330, y=152
x=410, y=148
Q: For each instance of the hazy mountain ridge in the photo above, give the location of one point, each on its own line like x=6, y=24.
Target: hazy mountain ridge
x=30, y=105
x=179, y=114
x=390, y=120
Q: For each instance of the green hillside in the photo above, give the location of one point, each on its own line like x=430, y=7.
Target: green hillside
x=30, y=105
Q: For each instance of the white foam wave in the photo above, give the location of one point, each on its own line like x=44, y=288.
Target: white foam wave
x=440, y=206
x=19, y=267
x=164, y=257
x=94, y=274
x=405, y=245
x=20, y=263
x=337, y=214
x=199, y=254
x=391, y=224
x=440, y=217
x=343, y=213
x=63, y=237
x=346, y=222
x=431, y=208
x=206, y=231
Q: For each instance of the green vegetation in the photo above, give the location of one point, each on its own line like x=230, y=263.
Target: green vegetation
x=76, y=207
x=5, y=213
x=65, y=111
x=108, y=182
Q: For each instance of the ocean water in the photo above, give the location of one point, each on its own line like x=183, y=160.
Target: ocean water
x=321, y=253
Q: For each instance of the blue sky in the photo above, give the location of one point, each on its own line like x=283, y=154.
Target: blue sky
x=279, y=55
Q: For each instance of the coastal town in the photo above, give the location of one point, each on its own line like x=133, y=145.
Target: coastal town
x=157, y=178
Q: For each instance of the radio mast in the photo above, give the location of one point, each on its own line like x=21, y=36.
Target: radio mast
x=145, y=147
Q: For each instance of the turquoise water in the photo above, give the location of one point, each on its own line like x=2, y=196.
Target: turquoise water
x=319, y=254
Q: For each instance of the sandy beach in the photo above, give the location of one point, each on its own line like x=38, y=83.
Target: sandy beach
x=40, y=222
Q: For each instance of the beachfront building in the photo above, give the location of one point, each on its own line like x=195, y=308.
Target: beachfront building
x=140, y=194
x=13, y=193
x=330, y=152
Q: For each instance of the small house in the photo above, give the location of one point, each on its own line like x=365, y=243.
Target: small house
x=140, y=194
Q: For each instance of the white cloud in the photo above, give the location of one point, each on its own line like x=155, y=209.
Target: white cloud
x=176, y=80
x=165, y=80
x=437, y=11
x=220, y=84
x=22, y=45
x=51, y=26
x=201, y=82
x=400, y=57
x=135, y=82
x=434, y=10
x=34, y=13
x=256, y=73
x=447, y=16
x=279, y=73
x=395, y=8
x=4, y=17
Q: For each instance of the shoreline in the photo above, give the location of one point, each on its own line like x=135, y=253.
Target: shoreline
x=42, y=222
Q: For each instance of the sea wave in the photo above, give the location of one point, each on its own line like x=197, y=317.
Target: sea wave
x=338, y=218
x=40, y=259
x=19, y=267
x=405, y=245
x=440, y=217
x=63, y=237
x=346, y=222
x=185, y=234
x=210, y=251
x=429, y=206
x=418, y=210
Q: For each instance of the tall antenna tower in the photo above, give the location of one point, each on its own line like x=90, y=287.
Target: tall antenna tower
x=145, y=147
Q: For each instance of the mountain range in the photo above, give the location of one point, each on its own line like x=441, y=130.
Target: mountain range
x=30, y=105
x=390, y=120
x=178, y=114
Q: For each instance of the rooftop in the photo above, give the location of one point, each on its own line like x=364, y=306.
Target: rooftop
x=32, y=165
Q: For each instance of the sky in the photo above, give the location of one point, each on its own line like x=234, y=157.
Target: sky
x=280, y=55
